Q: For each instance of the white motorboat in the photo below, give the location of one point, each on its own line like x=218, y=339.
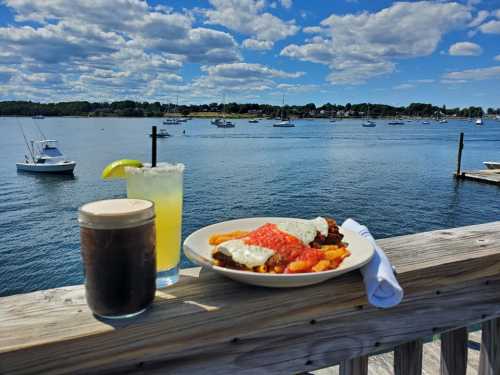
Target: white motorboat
x=443, y=121
x=284, y=124
x=171, y=121
x=369, y=124
x=492, y=164
x=162, y=133
x=46, y=158
x=426, y=122
x=254, y=121
x=479, y=122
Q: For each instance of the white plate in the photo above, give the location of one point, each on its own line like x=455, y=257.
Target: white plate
x=198, y=250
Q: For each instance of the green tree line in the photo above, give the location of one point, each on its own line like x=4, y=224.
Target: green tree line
x=129, y=108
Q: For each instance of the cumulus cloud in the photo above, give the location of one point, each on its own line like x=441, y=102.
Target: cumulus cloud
x=490, y=27
x=248, y=17
x=480, y=17
x=286, y=3
x=357, y=47
x=91, y=45
x=259, y=45
x=465, y=49
x=237, y=77
x=479, y=74
x=403, y=86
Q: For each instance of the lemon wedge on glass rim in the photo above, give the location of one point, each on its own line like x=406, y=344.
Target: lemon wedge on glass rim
x=116, y=169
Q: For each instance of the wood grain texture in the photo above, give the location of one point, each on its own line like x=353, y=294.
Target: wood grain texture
x=408, y=358
x=489, y=360
x=207, y=323
x=354, y=366
x=488, y=176
x=454, y=352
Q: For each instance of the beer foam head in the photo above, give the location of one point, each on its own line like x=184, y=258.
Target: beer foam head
x=115, y=213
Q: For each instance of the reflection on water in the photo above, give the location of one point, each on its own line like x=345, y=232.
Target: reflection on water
x=397, y=180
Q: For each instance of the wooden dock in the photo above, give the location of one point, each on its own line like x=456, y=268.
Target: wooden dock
x=209, y=324
x=489, y=176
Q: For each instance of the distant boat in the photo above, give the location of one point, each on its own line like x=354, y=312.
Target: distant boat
x=395, y=123
x=46, y=158
x=38, y=117
x=479, y=122
x=333, y=120
x=443, y=121
x=426, y=122
x=171, y=121
x=492, y=164
x=161, y=134
x=253, y=121
x=368, y=123
x=221, y=122
x=285, y=122
x=225, y=124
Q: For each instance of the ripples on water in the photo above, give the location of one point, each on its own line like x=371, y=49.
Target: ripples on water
x=395, y=179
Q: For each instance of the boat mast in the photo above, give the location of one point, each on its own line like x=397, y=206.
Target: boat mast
x=40, y=131
x=27, y=143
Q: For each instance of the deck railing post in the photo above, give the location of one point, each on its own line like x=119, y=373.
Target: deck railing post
x=408, y=358
x=489, y=360
x=454, y=352
x=459, y=156
x=355, y=366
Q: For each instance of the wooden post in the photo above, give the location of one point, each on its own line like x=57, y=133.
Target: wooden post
x=454, y=352
x=408, y=358
x=489, y=360
x=459, y=156
x=355, y=366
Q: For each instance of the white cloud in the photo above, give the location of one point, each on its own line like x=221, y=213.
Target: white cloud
x=286, y=3
x=465, y=49
x=403, y=86
x=497, y=58
x=357, y=47
x=480, y=17
x=115, y=48
x=425, y=80
x=248, y=17
x=490, y=27
x=479, y=74
x=238, y=77
x=259, y=45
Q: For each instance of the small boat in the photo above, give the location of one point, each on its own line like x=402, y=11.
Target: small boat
x=333, y=120
x=162, y=133
x=38, y=117
x=479, y=122
x=284, y=124
x=426, y=122
x=46, y=158
x=395, y=123
x=253, y=121
x=443, y=121
x=492, y=164
x=369, y=124
x=285, y=121
x=171, y=121
x=225, y=124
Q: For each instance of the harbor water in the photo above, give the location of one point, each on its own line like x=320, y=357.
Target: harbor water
x=394, y=179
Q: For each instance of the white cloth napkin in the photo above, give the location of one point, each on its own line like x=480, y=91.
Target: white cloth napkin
x=382, y=288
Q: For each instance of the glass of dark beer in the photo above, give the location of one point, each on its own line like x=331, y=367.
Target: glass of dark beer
x=119, y=256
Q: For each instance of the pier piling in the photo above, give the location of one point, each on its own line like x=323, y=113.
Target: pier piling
x=459, y=156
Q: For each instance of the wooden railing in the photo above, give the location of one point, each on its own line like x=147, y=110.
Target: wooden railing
x=208, y=324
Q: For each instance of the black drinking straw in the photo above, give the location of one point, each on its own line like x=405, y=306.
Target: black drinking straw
x=153, y=147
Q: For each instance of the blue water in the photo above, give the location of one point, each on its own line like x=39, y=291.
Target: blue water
x=395, y=179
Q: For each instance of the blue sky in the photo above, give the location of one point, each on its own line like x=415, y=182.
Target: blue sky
x=319, y=51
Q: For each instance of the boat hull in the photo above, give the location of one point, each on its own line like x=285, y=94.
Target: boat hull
x=492, y=164
x=66, y=168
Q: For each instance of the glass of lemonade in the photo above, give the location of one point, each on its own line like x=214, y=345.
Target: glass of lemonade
x=163, y=186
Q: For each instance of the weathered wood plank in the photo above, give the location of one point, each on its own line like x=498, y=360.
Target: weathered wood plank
x=451, y=278
x=454, y=352
x=489, y=176
x=489, y=361
x=354, y=366
x=408, y=358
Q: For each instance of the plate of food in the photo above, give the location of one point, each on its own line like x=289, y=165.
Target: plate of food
x=278, y=252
